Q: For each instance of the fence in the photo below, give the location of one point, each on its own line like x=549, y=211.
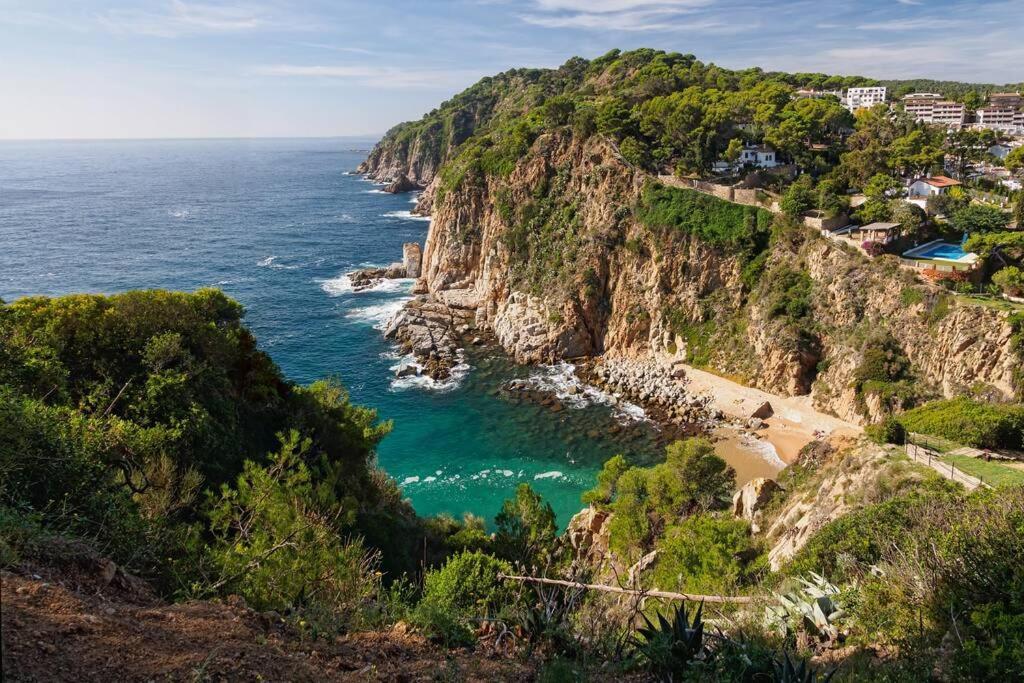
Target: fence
x=931, y=459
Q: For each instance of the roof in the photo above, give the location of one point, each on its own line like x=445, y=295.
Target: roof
x=938, y=181
x=879, y=227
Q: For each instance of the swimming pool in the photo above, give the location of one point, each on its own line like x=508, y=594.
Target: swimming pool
x=942, y=251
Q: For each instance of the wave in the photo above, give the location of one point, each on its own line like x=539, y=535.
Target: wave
x=345, y=218
x=426, y=382
x=271, y=262
x=374, y=192
x=377, y=315
x=182, y=214
x=763, y=448
x=406, y=214
x=554, y=474
x=342, y=284
x=415, y=198
x=560, y=379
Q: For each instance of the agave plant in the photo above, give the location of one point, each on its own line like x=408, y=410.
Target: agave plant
x=813, y=609
x=799, y=671
x=671, y=648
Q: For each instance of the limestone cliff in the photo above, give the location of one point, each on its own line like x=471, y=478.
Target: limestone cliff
x=559, y=261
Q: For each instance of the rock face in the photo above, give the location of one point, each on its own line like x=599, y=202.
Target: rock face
x=412, y=259
x=619, y=289
x=752, y=498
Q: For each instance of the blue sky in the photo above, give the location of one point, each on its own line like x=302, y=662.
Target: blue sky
x=184, y=68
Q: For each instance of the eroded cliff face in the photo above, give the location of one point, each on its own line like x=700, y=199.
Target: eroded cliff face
x=556, y=264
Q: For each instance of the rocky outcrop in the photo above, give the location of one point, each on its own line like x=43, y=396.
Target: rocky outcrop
x=588, y=534
x=752, y=498
x=616, y=288
x=432, y=331
x=412, y=259
x=401, y=184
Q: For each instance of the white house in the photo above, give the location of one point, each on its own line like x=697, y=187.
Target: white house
x=861, y=98
x=761, y=156
x=931, y=186
x=758, y=156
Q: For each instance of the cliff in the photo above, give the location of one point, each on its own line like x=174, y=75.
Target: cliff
x=562, y=247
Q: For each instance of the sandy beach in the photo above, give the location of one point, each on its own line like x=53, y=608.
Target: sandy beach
x=793, y=424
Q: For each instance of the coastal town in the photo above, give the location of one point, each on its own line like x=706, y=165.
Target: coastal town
x=977, y=173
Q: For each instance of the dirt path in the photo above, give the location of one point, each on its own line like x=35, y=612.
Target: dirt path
x=793, y=424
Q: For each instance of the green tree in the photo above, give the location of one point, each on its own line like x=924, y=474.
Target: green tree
x=911, y=217
x=1011, y=280
x=1015, y=159
x=799, y=197
x=967, y=146
x=977, y=218
x=882, y=186
x=526, y=528
x=830, y=199
x=1018, y=211
x=733, y=151
x=615, y=119
x=607, y=482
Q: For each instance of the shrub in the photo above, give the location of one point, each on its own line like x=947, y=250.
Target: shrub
x=975, y=218
x=888, y=430
x=970, y=422
x=468, y=584
x=703, y=554
x=526, y=528
x=872, y=248
x=607, y=481
x=1010, y=280
x=278, y=551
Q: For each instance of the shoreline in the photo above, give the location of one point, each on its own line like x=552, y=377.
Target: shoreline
x=793, y=424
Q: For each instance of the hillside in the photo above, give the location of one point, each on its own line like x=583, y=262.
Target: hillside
x=552, y=229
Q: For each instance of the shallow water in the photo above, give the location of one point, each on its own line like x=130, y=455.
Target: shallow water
x=276, y=224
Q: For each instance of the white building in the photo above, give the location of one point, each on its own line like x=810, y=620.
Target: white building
x=922, y=188
x=758, y=156
x=928, y=107
x=761, y=156
x=1005, y=119
x=861, y=98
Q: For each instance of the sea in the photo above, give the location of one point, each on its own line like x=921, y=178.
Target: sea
x=277, y=224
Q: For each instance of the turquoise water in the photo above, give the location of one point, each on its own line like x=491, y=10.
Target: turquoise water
x=276, y=224
x=943, y=250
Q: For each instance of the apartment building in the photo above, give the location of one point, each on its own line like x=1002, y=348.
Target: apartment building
x=861, y=98
x=999, y=118
x=929, y=107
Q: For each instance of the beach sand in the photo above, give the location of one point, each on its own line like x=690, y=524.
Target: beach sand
x=791, y=427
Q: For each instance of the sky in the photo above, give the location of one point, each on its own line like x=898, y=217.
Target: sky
x=268, y=68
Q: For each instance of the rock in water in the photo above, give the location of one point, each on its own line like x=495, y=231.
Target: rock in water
x=407, y=370
x=412, y=259
x=402, y=184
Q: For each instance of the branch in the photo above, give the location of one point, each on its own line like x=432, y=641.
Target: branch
x=630, y=591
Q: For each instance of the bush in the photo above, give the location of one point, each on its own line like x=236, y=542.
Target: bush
x=872, y=248
x=888, y=430
x=1010, y=280
x=278, y=551
x=703, y=554
x=970, y=422
x=526, y=529
x=468, y=584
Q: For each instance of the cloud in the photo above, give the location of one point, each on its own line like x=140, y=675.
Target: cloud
x=384, y=77
x=185, y=18
x=909, y=25
x=630, y=15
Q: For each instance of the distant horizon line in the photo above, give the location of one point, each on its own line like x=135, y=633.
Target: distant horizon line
x=367, y=136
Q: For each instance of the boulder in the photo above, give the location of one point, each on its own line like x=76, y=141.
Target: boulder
x=752, y=498
x=406, y=370
x=764, y=412
x=402, y=184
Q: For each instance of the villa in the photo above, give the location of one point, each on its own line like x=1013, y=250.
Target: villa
x=919, y=190
x=758, y=156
